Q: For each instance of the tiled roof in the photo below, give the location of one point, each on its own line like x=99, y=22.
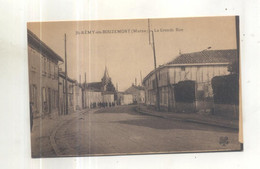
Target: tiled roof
x=207, y=56
x=201, y=58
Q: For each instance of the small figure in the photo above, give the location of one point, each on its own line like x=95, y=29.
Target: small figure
x=31, y=115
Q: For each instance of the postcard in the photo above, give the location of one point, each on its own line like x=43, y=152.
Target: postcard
x=137, y=86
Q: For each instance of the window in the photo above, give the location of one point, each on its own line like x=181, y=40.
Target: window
x=43, y=68
x=154, y=84
x=182, y=68
x=49, y=68
x=54, y=71
x=44, y=100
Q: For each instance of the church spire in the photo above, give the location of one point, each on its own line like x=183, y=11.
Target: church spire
x=106, y=79
x=106, y=75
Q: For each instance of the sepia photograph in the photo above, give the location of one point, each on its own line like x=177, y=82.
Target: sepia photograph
x=134, y=86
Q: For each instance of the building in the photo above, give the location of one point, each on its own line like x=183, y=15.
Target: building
x=99, y=94
x=198, y=67
x=125, y=98
x=77, y=96
x=92, y=95
x=137, y=93
x=108, y=99
x=62, y=94
x=43, y=77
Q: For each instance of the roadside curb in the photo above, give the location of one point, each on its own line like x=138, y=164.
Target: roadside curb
x=66, y=121
x=187, y=120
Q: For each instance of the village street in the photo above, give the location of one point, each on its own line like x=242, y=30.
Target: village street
x=121, y=130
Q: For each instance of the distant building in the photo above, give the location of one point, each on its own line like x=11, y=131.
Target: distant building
x=199, y=67
x=108, y=98
x=43, y=77
x=137, y=92
x=99, y=94
x=125, y=98
x=92, y=94
x=62, y=94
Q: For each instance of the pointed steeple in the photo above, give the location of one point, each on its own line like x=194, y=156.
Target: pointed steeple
x=106, y=75
x=106, y=79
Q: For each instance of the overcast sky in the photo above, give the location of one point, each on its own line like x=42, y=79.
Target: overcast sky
x=127, y=53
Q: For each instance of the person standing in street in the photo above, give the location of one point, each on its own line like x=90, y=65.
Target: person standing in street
x=31, y=115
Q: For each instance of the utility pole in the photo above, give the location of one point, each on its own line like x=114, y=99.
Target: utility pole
x=156, y=77
x=66, y=80
x=155, y=66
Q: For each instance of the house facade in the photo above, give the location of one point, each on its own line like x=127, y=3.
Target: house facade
x=92, y=98
x=199, y=67
x=62, y=94
x=125, y=98
x=77, y=96
x=43, y=77
x=137, y=93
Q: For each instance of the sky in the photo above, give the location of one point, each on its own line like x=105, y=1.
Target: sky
x=123, y=45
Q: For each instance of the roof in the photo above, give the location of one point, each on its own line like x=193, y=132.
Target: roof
x=137, y=87
x=206, y=56
x=41, y=47
x=62, y=75
x=134, y=87
x=96, y=86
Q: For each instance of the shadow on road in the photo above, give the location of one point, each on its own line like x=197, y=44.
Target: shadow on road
x=128, y=109
x=167, y=124
x=160, y=123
